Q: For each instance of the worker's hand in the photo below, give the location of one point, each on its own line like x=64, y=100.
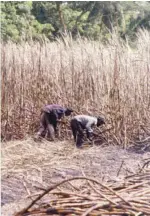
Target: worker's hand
x=90, y=135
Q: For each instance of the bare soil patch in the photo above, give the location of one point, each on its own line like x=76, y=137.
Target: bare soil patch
x=27, y=165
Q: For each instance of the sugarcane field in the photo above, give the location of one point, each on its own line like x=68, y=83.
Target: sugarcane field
x=75, y=114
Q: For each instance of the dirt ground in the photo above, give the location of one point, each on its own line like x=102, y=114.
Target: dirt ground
x=27, y=164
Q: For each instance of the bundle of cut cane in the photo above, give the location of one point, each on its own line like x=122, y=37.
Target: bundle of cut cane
x=130, y=196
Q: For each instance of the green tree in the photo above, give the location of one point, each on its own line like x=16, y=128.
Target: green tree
x=18, y=23
x=96, y=20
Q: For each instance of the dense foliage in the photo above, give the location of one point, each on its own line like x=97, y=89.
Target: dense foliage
x=96, y=20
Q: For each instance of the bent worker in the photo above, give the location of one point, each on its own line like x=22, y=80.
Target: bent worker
x=50, y=115
x=84, y=122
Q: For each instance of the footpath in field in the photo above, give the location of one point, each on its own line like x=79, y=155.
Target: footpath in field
x=28, y=166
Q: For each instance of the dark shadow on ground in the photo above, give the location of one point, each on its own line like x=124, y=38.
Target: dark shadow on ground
x=140, y=148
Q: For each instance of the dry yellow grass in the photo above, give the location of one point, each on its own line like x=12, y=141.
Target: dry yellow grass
x=112, y=80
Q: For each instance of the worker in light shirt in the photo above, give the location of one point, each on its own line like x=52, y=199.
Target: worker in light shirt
x=81, y=123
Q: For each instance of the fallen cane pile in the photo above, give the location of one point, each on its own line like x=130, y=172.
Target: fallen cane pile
x=130, y=196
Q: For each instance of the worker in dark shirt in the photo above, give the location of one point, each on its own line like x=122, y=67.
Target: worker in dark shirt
x=81, y=123
x=50, y=115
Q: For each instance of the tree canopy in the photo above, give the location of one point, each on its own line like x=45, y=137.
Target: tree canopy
x=92, y=19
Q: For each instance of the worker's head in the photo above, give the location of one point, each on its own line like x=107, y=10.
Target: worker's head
x=68, y=112
x=100, y=121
